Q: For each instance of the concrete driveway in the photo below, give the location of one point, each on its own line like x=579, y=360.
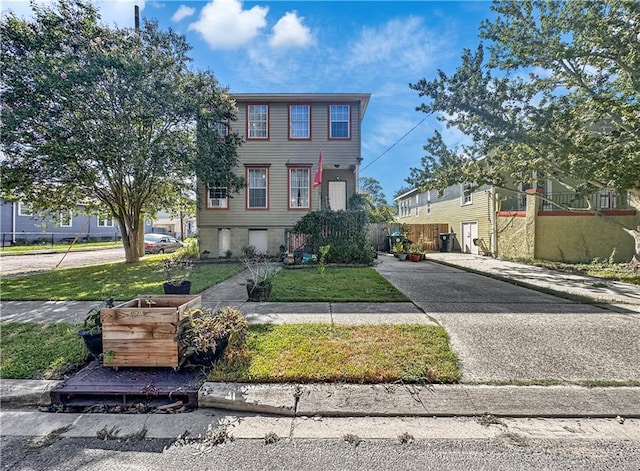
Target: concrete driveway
x=506, y=333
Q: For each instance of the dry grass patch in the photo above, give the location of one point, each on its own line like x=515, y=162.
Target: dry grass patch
x=326, y=353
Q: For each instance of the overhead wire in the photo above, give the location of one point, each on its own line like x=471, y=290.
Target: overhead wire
x=394, y=144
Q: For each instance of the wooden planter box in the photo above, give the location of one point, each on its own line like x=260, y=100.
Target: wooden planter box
x=139, y=333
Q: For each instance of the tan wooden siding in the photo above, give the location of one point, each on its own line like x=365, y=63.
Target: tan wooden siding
x=279, y=151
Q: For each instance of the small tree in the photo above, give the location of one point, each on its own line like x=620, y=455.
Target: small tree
x=107, y=117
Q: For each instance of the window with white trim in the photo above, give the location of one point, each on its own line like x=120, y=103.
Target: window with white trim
x=105, y=220
x=429, y=202
x=257, y=188
x=466, y=197
x=299, y=179
x=339, y=121
x=218, y=198
x=24, y=209
x=607, y=199
x=222, y=129
x=66, y=218
x=417, y=206
x=257, y=121
x=299, y=122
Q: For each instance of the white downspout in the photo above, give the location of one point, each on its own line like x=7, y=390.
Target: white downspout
x=13, y=222
x=493, y=221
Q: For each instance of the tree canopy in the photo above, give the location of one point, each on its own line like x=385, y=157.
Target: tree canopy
x=114, y=118
x=554, y=89
x=556, y=93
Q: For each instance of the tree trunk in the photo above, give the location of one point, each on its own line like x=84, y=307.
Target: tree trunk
x=131, y=239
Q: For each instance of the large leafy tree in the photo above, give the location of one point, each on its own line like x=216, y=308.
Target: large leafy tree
x=558, y=93
x=107, y=117
x=374, y=201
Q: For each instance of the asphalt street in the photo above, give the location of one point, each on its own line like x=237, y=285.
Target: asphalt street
x=42, y=261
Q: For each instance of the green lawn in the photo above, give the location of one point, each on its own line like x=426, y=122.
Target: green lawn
x=120, y=281
x=283, y=353
x=599, y=269
x=336, y=285
x=39, y=351
x=324, y=353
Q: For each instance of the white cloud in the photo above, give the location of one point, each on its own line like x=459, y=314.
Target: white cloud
x=289, y=32
x=182, y=12
x=225, y=25
x=404, y=44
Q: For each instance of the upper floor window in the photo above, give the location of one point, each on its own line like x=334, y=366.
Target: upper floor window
x=299, y=122
x=299, y=179
x=66, y=218
x=218, y=198
x=105, y=220
x=339, y=121
x=429, y=202
x=24, y=209
x=466, y=194
x=257, y=188
x=417, y=206
x=222, y=128
x=258, y=121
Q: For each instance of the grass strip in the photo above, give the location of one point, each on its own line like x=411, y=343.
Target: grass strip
x=335, y=285
x=120, y=281
x=326, y=353
x=39, y=351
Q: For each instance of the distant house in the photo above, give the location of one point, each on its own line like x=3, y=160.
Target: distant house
x=20, y=225
x=284, y=134
x=528, y=223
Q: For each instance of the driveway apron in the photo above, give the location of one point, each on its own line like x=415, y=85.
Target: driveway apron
x=506, y=333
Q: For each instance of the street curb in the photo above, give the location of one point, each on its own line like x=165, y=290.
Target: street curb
x=410, y=400
x=26, y=392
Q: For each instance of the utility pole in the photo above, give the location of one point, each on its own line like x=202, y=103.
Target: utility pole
x=136, y=16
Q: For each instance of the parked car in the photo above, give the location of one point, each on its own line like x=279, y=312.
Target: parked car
x=161, y=243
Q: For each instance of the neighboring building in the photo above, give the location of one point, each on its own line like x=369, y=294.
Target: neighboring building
x=19, y=225
x=529, y=223
x=180, y=226
x=284, y=135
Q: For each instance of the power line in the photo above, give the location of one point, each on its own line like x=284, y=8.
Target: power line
x=394, y=144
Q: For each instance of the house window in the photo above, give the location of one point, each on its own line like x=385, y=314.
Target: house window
x=218, y=198
x=339, y=122
x=24, y=209
x=105, y=221
x=607, y=199
x=257, y=122
x=466, y=194
x=257, y=188
x=429, y=202
x=299, y=122
x=222, y=128
x=299, y=188
x=417, y=206
x=66, y=218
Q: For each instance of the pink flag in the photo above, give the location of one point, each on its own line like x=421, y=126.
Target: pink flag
x=318, y=180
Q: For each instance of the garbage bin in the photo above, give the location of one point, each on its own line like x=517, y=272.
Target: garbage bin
x=391, y=241
x=446, y=242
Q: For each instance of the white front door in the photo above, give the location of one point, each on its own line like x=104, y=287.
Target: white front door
x=338, y=195
x=258, y=238
x=224, y=242
x=469, y=232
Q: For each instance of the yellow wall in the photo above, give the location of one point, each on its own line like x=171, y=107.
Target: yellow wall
x=513, y=239
x=583, y=238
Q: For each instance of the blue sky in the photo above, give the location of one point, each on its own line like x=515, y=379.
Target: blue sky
x=376, y=47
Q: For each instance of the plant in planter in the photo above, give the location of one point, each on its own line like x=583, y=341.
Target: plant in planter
x=176, y=272
x=399, y=251
x=261, y=274
x=205, y=333
x=415, y=253
x=91, y=331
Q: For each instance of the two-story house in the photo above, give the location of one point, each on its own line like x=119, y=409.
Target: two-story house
x=302, y=152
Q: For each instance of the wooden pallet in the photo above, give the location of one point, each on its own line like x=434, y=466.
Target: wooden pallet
x=142, y=332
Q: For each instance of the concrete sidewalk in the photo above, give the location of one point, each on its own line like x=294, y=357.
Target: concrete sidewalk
x=490, y=324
